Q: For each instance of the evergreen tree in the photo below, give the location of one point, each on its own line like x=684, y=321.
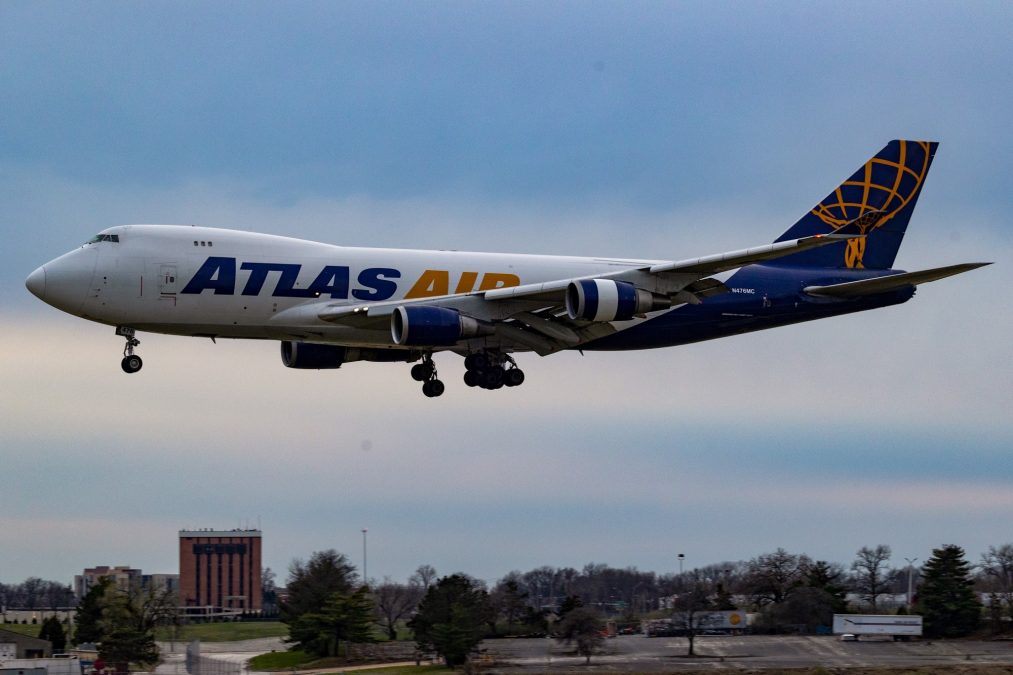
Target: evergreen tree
x=828, y=577
x=450, y=617
x=345, y=617
x=52, y=630
x=312, y=584
x=570, y=603
x=88, y=619
x=946, y=595
x=583, y=626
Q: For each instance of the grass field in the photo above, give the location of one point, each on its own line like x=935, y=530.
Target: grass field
x=31, y=629
x=299, y=660
x=226, y=631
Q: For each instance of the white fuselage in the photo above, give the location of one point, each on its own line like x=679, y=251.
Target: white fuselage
x=188, y=280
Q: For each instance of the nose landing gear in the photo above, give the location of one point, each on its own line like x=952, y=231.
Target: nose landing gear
x=425, y=373
x=131, y=362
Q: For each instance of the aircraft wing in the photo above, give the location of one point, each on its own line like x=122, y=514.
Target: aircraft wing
x=535, y=316
x=891, y=282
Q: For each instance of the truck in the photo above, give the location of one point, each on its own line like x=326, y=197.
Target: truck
x=897, y=626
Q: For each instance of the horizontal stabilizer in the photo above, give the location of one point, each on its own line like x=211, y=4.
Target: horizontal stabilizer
x=890, y=282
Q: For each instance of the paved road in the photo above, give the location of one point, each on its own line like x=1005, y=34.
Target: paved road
x=637, y=653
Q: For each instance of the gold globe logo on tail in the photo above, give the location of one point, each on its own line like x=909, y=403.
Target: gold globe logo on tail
x=875, y=194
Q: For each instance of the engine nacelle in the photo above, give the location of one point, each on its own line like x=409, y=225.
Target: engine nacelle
x=321, y=357
x=311, y=356
x=608, y=300
x=433, y=326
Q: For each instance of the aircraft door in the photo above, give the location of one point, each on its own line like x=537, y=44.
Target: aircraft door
x=167, y=283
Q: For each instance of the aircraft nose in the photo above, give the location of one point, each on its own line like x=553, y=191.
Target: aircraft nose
x=36, y=283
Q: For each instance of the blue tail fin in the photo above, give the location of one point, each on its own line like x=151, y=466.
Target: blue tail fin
x=877, y=200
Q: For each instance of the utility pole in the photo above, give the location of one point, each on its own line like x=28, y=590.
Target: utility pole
x=365, y=577
x=910, y=573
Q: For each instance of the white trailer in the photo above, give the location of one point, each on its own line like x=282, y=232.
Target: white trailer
x=54, y=665
x=899, y=626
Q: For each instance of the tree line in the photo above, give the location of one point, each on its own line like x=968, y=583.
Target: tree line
x=328, y=607
x=36, y=593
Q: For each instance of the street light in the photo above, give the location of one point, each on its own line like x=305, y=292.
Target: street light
x=681, y=556
x=365, y=577
x=910, y=573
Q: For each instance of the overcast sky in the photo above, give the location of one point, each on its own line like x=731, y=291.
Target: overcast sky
x=660, y=130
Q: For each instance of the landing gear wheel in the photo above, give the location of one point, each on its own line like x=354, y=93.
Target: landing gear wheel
x=425, y=373
x=422, y=371
x=433, y=388
x=492, y=378
x=471, y=378
x=131, y=364
x=513, y=377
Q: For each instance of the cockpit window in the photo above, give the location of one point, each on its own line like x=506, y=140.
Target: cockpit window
x=115, y=238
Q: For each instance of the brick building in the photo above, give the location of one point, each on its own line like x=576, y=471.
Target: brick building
x=219, y=571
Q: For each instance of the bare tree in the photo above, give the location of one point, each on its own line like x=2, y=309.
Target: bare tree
x=425, y=576
x=997, y=565
x=394, y=601
x=871, y=577
x=693, y=605
x=772, y=577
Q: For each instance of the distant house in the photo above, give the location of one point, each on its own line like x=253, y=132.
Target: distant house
x=17, y=646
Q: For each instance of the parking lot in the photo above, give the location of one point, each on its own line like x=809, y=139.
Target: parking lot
x=636, y=653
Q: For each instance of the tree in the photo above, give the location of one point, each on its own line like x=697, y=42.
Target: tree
x=394, y=602
x=583, y=626
x=89, y=613
x=871, y=576
x=344, y=617
x=450, y=618
x=691, y=605
x=510, y=601
x=997, y=565
x=311, y=584
x=128, y=618
x=570, y=603
x=52, y=630
x=806, y=609
x=269, y=591
x=424, y=576
x=772, y=577
x=946, y=596
x=829, y=578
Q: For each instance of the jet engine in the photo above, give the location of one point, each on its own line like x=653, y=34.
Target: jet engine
x=311, y=356
x=433, y=326
x=608, y=300
x=320, y=357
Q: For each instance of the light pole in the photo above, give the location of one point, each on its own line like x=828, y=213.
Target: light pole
x=910, y=573
x=365, y=577
x=681, y=556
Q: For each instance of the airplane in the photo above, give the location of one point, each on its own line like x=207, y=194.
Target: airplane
x=330, y=305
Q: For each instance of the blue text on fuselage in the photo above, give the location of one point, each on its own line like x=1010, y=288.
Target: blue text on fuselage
x=218, y=274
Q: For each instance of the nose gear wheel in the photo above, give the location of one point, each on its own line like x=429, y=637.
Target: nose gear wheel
x=131, y=362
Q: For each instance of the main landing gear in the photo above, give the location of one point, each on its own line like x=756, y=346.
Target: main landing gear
x=492, y=370
x=131, y=362
x=425, y=373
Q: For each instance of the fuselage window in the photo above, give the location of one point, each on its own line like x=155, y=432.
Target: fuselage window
x=194, y=242
x=203, y=243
